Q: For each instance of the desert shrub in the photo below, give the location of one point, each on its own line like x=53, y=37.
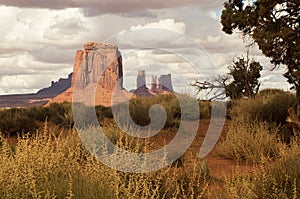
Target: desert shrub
x=103, y=112
x=38, y=113
x=16, y=121
x=205, y=109
x=269, y=105
x=49, y=165
x=270, y=91
x=139, y=109
x=61, y=114
x=275, y=107
x=279, y=179
x=250, y=142
x=84, y=115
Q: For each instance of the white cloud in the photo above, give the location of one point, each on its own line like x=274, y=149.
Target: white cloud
x=168, y=24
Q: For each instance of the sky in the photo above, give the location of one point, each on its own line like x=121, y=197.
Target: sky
x=38, y=41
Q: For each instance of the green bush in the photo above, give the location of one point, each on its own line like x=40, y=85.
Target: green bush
x=61, y=114
x=205, y=109
x=139, y=109
x=269, y=105
x=38, y=113
x=16, y=121
x=103, y=112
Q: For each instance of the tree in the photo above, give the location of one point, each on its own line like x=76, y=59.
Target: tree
x=240, y=81
x=274, y=27
x=244, y=78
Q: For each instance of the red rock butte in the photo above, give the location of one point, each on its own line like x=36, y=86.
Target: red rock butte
x=160, y=85
x=97, y=77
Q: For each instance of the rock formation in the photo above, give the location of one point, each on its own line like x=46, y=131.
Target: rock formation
x=141, y=79
x=165, y=83
x=141, y=88
x=154, y=84
x=56, y=87
x=159, y=85
x=97, y=79
x=98, y=73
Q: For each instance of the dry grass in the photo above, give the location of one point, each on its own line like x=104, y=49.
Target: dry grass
x=276, y=179
x=250, y=142
x=52, y=165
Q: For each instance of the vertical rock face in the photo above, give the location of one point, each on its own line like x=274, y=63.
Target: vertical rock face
x=153, y=84
x=98, y=71
x=165, y=83
x=98, y=64
x=141, y=79
x=141, y=89
x=159, y=85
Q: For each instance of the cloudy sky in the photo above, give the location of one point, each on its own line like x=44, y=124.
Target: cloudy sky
x=38, y=40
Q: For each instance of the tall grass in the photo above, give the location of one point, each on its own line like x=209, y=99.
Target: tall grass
x=257, y=136
x=56, y=165
x=50, y=166
x=139, y=109
x=278, y=179
x=249, y=142
x=258, y=127
x=270, y=105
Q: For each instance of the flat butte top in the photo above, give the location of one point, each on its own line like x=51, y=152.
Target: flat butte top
x=98, y=45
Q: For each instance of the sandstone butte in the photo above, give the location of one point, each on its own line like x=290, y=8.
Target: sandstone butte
x=97, y=77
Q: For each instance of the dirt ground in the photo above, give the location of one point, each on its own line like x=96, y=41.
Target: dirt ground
x=219, y=167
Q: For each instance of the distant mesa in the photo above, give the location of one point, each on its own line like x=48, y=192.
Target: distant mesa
x=159, y=85
x=98, y=71
x=56, y=87
x=36, y=99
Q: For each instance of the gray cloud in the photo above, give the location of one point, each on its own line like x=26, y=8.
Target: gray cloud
x=4, y=52
x=140, y=13
x=51, y=54
x=69, y=26
x=92, y=8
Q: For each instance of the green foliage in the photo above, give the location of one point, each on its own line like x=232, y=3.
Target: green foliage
x=269, y=105
x=60, y=114
x=205, y=109
x=244, y=78
x=38, y=113
x=24, y=120
x=139, y=109
x=274, y=26
x=240, y=81
x=14, y=121
x=103, y=112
